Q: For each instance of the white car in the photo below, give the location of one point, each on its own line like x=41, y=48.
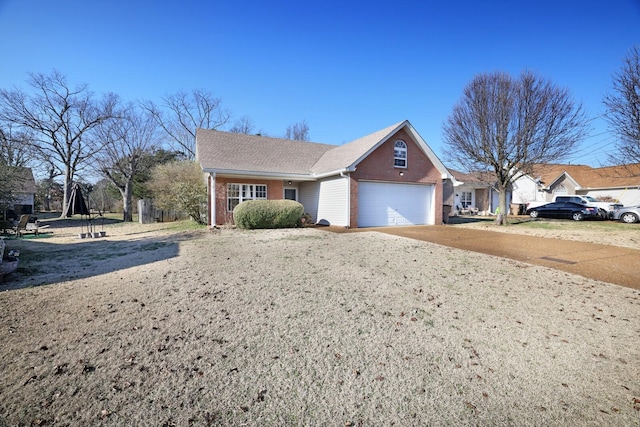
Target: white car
x=628, y=214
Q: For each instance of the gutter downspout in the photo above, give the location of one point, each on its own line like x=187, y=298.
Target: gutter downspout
x=211, y=196
x=348, y=197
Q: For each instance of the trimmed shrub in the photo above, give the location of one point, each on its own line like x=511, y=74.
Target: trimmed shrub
x=254, y=214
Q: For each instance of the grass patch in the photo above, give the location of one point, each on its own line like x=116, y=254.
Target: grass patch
x=185, y=225
x=295, y=237
x=152, y=246
x=30, y=255
x=538, y=225
x=32, y=236
x=558, y=224
x=109, y=255
x=526, y=222
x=29, y=271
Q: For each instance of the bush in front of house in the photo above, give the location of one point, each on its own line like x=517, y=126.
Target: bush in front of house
x=254, y=214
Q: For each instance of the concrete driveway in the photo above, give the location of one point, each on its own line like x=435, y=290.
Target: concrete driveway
x=617, y=265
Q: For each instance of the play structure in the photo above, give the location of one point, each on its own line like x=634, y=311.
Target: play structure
x=78, y=206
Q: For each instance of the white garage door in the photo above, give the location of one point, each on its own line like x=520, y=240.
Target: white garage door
x=382, y=203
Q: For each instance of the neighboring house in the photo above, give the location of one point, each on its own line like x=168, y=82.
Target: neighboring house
x=476, y=192
x=390, y=177
x=616, y=183
x=23, y=191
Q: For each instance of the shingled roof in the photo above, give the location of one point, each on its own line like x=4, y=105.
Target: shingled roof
x=347, y=155
x=22, y=180
x=226, y=152
x=588, y=177
x=481, y=179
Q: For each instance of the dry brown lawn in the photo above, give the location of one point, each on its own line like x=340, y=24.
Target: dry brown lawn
x=157, y=325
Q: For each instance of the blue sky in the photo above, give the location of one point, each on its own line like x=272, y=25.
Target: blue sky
x=347, y=68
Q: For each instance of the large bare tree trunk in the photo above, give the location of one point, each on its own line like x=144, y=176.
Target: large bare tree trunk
x=127, y=214
x=502, y=215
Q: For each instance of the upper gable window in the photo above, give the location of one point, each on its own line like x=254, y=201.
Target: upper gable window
x=400, y=154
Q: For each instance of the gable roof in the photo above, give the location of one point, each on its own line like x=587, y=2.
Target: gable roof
x=482, y=179
x=22, y=180
x=587, y=177
x=350, y=154
x=225, y=152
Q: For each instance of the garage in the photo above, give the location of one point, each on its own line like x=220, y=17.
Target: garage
x=385, y=203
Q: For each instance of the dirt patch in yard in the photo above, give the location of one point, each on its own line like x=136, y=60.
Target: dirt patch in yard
x=157, y=326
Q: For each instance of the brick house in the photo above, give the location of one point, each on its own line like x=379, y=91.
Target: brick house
x=390, y=177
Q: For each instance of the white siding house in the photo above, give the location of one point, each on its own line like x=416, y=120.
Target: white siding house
x=614, y=183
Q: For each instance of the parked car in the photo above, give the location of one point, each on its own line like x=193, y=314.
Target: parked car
x=628, y=214
x=568, y=210
x=604, y=208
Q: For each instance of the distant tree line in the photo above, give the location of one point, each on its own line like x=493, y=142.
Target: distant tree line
x=67, y=133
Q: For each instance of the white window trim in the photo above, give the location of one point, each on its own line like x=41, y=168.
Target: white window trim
x=241, y=192
x=464, y=202
x=404, y=149
x=284, y=190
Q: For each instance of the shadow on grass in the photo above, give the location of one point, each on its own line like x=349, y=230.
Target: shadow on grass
x=470, y=219
x=45, y=262
x=54, y=221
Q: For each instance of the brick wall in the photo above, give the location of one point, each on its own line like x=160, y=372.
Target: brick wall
x=379, y=166
x=275, y=191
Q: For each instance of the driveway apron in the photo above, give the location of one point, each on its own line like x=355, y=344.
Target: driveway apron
x=613, y=264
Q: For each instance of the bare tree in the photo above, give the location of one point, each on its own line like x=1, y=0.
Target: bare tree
x=126, y=142
x=183, y=113
x=506, y=126
x=15, y=154
x=243, y=125
x=8, y=177
x=623, y=109
x=298, y=131
x=60, y=120
x=16, y=147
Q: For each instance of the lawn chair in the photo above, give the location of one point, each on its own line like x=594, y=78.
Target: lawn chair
x=33, y=226
x=21, y=225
